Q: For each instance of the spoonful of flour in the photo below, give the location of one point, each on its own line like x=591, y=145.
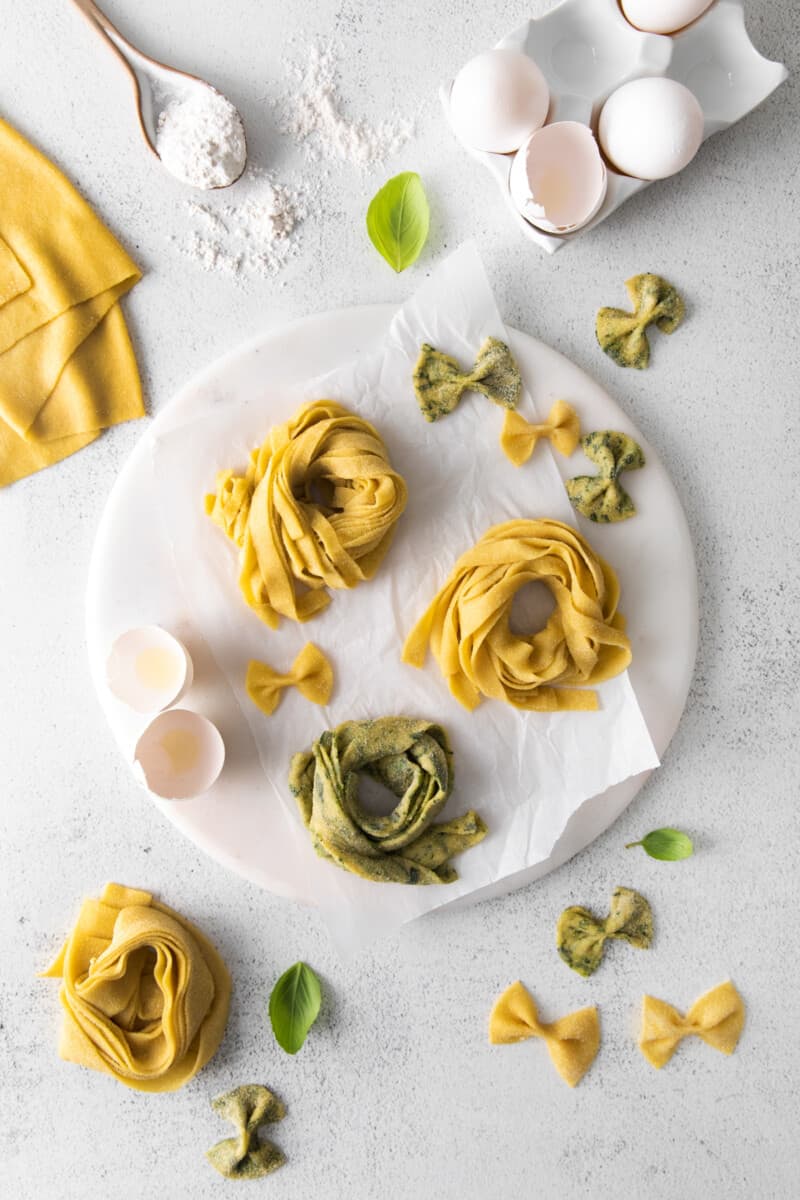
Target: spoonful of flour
x=200, y=139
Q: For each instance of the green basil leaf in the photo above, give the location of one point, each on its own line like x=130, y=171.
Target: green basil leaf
x=667, y=845
x=294, y=1006
x=398, y=218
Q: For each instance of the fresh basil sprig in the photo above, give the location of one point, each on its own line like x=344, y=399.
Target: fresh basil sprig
x=668, y=845
x=398, y=218
x=294, y=1006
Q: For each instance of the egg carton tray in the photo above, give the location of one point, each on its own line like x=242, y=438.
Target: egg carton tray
x=586, y=49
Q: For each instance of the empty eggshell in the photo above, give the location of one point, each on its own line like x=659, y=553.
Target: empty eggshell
x=497, y=99
x=651, y=128
x=663, y=16
x=148, y=669
x=558, y=177
x=180, y=754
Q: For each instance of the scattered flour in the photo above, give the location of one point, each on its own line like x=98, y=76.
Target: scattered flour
x=200, y=139
x=253, y=230
x=254, y=236
x=315, y=117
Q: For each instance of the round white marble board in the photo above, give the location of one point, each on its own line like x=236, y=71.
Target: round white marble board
x=132, y=581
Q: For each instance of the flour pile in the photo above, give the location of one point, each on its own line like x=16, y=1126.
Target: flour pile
x=315, y=117
x=255, y=236
x=200, y=139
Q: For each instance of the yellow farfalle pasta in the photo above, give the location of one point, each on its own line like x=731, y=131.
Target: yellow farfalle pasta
x=717, y=1017
x=311, y=673
x=572, y=1041
x=144, y=992
x=467, y=624
x=519, y=437
x=316, y=507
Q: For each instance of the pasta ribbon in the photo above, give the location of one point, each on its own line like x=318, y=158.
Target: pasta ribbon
x=316, y=507
x=467, y=623
x=413, y=760
x=145, y=994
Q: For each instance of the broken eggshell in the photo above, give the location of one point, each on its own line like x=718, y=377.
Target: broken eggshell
x=558, y=177
x=148, y=669
x=179, y=755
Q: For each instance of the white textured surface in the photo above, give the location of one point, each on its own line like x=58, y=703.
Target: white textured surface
x=396, y=1092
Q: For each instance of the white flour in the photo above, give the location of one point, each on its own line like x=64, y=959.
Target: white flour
x=200, y=139
x=315, y=117
x=254, y=236
x=254, y=229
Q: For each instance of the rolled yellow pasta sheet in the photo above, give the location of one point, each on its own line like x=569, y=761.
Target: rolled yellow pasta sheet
x=467, y=625
x=145, y=994
x=316, y=507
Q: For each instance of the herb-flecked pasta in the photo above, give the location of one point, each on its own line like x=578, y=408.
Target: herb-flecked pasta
x=581, y=936
x=247, y=1156
x=601, y=497
x=411, y=758
x=440, y=381
x=623, y=336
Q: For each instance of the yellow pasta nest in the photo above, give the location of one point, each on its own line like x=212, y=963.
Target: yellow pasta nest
x=467, y=625
x=316, y=507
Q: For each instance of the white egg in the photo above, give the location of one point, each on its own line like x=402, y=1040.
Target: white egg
x=558, y=178
x=180, y=754
x=651, y=128
x=497, y=99
x=663, y=16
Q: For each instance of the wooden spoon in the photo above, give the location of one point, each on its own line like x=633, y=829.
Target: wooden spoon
x=155, y=84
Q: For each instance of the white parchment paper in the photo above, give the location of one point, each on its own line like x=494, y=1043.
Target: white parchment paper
x=525, y=773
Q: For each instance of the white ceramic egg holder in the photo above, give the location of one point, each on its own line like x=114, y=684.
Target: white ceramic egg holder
x=586, y=50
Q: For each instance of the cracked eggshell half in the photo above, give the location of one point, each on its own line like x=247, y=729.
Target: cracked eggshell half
x=179, y=755
x=558, y=177
x=651, y=128
x=663, y=16
x=497, y=99
x=148, y=669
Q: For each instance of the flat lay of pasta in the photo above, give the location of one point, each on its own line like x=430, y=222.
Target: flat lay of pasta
x=399, y=704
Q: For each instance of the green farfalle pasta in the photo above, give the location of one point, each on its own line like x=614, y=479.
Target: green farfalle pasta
x=581, y=936
x=601, y=497
x=246, y=1156
x=623, y=336
x=411, y=758
x=440, y=381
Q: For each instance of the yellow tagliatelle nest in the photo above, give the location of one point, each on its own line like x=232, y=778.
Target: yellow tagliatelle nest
x=467, y=625
x=145, y=994
x=315, y=509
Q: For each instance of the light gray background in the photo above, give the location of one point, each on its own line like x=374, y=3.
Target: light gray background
x=396, y=1092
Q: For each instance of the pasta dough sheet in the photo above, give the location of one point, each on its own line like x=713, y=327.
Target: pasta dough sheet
x=525, y=773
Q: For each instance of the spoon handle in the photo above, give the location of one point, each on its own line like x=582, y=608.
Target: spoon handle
x=100, y=20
